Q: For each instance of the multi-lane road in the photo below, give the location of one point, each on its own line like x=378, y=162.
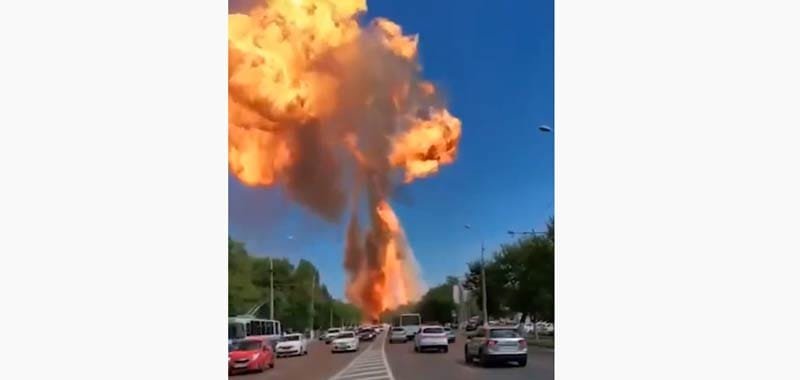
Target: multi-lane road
x=380, y=360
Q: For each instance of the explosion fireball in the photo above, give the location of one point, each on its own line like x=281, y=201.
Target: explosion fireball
x=337, y=115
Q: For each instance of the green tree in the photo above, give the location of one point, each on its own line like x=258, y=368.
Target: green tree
x=249, y=282
x=495, y=285
x=437, y=305
x=519, y=277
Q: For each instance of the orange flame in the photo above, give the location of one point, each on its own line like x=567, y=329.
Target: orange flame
x=329, y=110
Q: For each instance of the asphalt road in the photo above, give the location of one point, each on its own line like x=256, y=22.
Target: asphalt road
x=409, y=365
x=369, y=363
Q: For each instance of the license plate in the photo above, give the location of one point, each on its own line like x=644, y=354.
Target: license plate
x=240, y=365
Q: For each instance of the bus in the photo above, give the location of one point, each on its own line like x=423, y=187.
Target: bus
x=246, y=326
x=410, y=323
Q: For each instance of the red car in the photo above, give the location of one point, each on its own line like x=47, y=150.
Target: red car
x=250, y=355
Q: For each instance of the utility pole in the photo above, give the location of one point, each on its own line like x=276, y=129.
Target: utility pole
x=483, y=285
x=311, y=314
x=271, y=292
x=483, y=281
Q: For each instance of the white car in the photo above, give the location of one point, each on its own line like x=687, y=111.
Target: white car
x=331, y=334
x=292, y=344
x=344, y=342
x=431, y=337
x=397, y=334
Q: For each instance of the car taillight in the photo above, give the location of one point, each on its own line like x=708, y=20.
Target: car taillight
x=523, y=343
x=491, y=343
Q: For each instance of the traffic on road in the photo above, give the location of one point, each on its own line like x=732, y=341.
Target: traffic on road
x=410, y=350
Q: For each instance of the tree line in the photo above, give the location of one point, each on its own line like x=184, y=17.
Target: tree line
x=519, y=279
x=249, y=284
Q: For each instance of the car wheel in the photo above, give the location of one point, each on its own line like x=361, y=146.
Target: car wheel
x=416, y=349
x=482, y=359
x=467, y=358
x=444, y=349
x=523, y=362
x=272, y=363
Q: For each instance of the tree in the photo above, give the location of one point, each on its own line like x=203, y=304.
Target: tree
x=248, y=286
x=495, y=285
x=437, y=304
x=528, y=266
x=519, y=277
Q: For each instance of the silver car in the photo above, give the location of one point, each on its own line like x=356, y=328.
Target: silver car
x=451, y=334
x=397, y=334
x=496, y=344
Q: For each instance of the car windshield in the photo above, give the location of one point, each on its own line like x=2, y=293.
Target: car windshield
x=346, y=335
x=291, y=338
x=398, y=329
x=503, y=333
x=333, y=330
x=247, y=345
x=433, y=330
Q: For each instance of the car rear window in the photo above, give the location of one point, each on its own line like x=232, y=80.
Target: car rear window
x=433, y=330
x=290, y=338
x=346, y=335
x=398, y=329
x=503, y=333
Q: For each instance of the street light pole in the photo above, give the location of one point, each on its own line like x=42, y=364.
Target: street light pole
x=483, y=281
x=483, y=285
x=271, y=292
x=311, y=314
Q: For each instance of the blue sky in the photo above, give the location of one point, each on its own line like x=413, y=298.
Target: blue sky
x=494, y=60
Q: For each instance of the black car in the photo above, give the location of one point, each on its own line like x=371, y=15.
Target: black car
x=366, y=334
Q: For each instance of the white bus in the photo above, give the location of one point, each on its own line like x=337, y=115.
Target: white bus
x=410, y=323
x=245, y=326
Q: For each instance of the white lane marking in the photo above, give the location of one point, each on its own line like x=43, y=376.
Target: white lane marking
x=369, y=365
x=362, y=370
x=383, y=353
x=373, y=377
x=362, y=374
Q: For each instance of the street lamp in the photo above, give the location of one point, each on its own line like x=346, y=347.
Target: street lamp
x=483, y=281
